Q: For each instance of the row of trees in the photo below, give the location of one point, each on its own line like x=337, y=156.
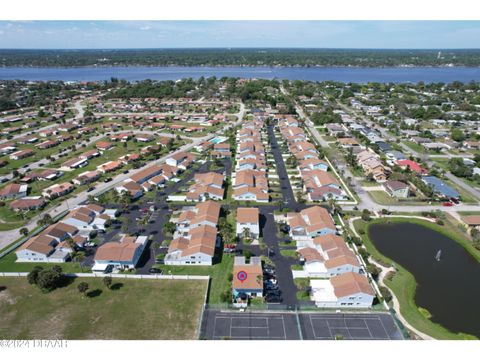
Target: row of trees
x=250, y=57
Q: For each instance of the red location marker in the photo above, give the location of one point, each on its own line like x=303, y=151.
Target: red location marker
x=242, y=276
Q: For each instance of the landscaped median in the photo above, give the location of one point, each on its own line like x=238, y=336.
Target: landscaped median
x=130, y=309
x=403, y=283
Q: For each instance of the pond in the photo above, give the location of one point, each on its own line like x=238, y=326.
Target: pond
x=450, y=288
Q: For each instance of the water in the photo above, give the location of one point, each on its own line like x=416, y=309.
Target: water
x=218, y=139
x=449, y=289
x=341, y=74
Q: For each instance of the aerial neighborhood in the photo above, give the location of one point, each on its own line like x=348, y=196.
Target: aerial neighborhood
x=279, y=194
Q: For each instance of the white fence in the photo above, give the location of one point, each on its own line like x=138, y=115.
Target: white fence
x=123, y=276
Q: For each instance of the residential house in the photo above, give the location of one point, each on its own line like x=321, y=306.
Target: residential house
x=441, y=189
x=57, y=190
x=397, y=189
x=25, y=204
x=121, y=255
x=348, y=290
x=206, y=186
x=310, y=223
x=248, y=222
x=247, y=277
x=13, y=191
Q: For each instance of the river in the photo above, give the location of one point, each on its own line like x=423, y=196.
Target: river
x=450, y=288
x=341, y=74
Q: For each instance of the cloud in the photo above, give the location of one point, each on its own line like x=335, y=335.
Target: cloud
x=145, y=28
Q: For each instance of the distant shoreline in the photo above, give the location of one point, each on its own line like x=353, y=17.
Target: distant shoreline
x=404, y=66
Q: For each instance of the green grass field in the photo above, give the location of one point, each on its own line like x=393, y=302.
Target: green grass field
x=219, y=274
x=137, y=309
x=403, y=283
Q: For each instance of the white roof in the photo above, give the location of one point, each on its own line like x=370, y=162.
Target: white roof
x=322, y=291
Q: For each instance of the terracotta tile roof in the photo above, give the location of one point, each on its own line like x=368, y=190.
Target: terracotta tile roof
x=254, y=277
x=310, y=254
x=42, y=244
x=247, y=215
x=349, y=284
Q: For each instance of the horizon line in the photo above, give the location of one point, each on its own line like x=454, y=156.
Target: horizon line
x=238, y=48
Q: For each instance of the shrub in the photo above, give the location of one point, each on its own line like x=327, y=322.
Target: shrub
x=357, y=241
x=373, y=270
x=440, y=222
x=366, y=215
x=364, y=254
x=386, y=294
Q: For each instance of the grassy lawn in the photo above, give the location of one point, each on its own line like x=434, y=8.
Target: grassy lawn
x=137, y=309
x=403, y=283
x=219, y=274
x=8, y=264
x=289, y=253
x=415, y=146
x=382, y=198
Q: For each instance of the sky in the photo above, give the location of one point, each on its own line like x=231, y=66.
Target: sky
x=208, y=34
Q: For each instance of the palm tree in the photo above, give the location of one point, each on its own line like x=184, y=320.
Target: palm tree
x=79, y=257
x=125, y=199
x=107, y=281
x=82, y=288
x=246, y=233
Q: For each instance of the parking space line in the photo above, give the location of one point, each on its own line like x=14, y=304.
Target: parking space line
x=368, y=328
x=383, y=326
x=283, y=325
x=330, y=330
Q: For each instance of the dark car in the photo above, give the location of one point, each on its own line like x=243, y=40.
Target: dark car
x=91, y=189
x=126, y=171
x=155, y=271
x=107, y=180
x=273, y=299
x=270, y=293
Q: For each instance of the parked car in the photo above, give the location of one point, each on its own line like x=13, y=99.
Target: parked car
x=273, y=299
x=269, y=286
x=91, y=188
x=273, y=293
x=107, y=180
x=447, y=204
x=126, y=171
x=269, y=271
x=155, y=271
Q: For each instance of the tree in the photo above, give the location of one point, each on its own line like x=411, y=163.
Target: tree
x=125, y=199
x=32, y=276
x=45, y=220
x=82, y=288
x=373, y=270
x=366, y=215
x=246, y=233
x=457, y=135
x=107, y=281
x=48, y=279
x=24, y=231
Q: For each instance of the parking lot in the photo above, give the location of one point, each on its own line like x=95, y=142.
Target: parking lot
x=235, y=325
